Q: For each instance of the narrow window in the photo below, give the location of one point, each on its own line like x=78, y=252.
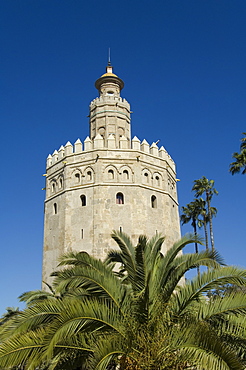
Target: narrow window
x=53, y=187
x=60, y=183
x=77, y=178
x=157, y=178
x=125, y=175
x=83, y=200
x=120, y=229
x=55, y=208
x=153, y=201
x=110, y=174
x=119, y=198
x=146, y=177
x=89, y=175
x=82, y=233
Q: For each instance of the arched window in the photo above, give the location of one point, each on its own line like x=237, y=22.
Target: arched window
x=125, y=175
x=101, y=131
x=157, y=180
x=153, y=201
x=146, y=177
x=119, y=198
x=55, y=208
x=83, y=200
x=89, y=175
x=53, y=187
x=77, y=178
x=60, y=183
x=110, y=174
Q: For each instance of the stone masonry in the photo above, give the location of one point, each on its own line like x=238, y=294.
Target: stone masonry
x=109, y=182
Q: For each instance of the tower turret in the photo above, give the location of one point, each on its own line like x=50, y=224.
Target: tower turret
x=109, y=113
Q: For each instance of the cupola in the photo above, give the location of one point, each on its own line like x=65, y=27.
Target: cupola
x=109, y=83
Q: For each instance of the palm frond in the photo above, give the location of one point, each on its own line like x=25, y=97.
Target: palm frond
x=205, y=283
x=128, y=252
x=96, y=280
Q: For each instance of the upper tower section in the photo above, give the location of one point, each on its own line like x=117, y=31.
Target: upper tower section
x=109, y=113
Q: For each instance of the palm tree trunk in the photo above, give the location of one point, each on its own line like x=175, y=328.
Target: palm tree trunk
x=210, y=222
x=205, y=231
x=196, y=246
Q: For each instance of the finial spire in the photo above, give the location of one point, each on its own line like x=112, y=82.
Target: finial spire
x=109, y=61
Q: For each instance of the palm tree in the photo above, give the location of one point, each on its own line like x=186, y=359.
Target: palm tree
x=201, y=186
x=240, y=159
x=205, y=218
x=143, y=318
x=191, y=213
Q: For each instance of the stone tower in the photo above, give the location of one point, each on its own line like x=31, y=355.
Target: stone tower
x=108, y=182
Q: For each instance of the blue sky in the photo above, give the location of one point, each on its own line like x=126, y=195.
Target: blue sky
x=183, y=64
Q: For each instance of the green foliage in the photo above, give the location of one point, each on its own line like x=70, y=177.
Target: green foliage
x=205, y=186
x=239, y=163
x=143, y=317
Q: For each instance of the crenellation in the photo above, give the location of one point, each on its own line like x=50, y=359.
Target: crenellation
x=49, y=161
x=75, y=151
x=103, y=99
x=144, y=146
x=98, y=142
x=154, y=149
x=163, y=153
x=123, y=142
x=78, y=147
x=55, y=156
x=135, y=143
x=111, y=142
x=87, y=144
x=68, y=148
x=61, y=151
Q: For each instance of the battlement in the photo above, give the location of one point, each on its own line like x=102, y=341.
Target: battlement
x=112, y=99
x=98, y=144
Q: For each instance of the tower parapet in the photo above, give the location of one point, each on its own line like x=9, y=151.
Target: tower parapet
x=98, y=143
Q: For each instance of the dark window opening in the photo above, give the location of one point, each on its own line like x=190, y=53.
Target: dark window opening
x=119, y=198
x=125, y=175
x=82, y=233
x=146, y=175
x=55, y=208
x=77, y=178
x=110, y=174
x=153, y=201
x=83, y=200
x=89, y=175
x=157, y=180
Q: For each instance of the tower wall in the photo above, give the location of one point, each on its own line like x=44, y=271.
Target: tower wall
x=81, y=207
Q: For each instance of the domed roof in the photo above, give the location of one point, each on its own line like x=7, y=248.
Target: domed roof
x=109, y=76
